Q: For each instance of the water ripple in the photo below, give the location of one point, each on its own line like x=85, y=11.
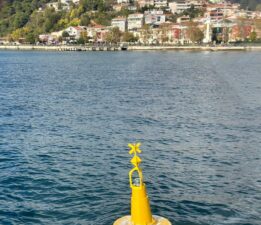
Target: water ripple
x=66, y=118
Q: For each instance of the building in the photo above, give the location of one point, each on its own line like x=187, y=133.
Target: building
x=154, y=17
x=182, y=5
x=120, y=22
x=143, y=3
x=215, y=14
x=160, y=3
x=183, y=18
x=178, y=7
x=62, y=5
x=75, y=32
x=123, y=1
x=66, y=2
x=97, y=33
x=135, y=21
x=54, y=5
x=76, y=2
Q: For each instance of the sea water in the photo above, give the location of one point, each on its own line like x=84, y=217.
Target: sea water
x=66, y=119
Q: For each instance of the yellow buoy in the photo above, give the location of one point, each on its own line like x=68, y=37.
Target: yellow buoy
x=140, y=206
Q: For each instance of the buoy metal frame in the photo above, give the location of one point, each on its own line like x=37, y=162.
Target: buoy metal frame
x=140, y=206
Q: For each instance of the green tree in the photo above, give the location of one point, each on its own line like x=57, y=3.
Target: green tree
x=30, y=38
x=85, y=20
x=20, y=20
x=194, y=33
x=114, y=36
x=146, y=33
x=84, y=36
x=129, y=37
x=253, y=36
x=258, y=7
x=81, y=41
x=65, y=34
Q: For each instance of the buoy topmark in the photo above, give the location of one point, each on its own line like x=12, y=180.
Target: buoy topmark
x=140, y=206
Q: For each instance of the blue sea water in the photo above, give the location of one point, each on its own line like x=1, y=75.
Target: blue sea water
x=66, y=120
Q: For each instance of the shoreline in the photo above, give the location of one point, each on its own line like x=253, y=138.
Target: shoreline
x=129, y=48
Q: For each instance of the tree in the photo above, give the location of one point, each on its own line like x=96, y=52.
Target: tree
x=75, y=22
x=194, y=33
x=146, y=33
x=129, y=37
x=85, y=20
x=192, y=12
x=258, y=7
x=253, y=36
x=65, y=34
x=113, y=36
x=30, y=38
x=20, y=20
x=84, y=37
x=17, y=34
x=164, y=33
x=80, y=41
x=51, y=18
x=225, y=35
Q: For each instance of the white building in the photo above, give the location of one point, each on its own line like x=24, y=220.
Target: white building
x=75, y=32
x=143, y=3
x=63, y=5
x=76, y=1
x=154, y=17
x=160, y=3
x=180, y=6
x=123, y=1
x=183, y=18
x=135, y=21
x=54, y=5
x=120, y=22
x=66, y=2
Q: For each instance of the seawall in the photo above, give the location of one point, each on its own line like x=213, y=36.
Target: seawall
x=130, y=48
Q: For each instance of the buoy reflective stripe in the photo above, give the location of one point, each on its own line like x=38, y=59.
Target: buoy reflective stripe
x=140, y=206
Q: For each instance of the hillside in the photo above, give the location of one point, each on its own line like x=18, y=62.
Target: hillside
x=15, y=14
x=29, y=18
x=22, y=18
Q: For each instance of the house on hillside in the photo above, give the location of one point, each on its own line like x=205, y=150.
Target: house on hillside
x=160, y=3
x=120, y=22
x=97, y=33
x=135, y=21
x=154, y=17
x=58, y=6
x=143, y=3
x=75, y=32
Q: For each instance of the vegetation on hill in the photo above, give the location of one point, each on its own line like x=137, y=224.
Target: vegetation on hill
x=22, y=18
x=29, y=18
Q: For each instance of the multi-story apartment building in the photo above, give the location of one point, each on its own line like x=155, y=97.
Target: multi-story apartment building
x=143, y=3
x=154, y=17
x=123, y=1
x=182, y=5
x=160, y=3
x=135, y=21
x=120, y=22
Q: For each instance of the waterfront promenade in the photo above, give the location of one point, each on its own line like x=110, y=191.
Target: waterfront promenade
x=130, y=48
